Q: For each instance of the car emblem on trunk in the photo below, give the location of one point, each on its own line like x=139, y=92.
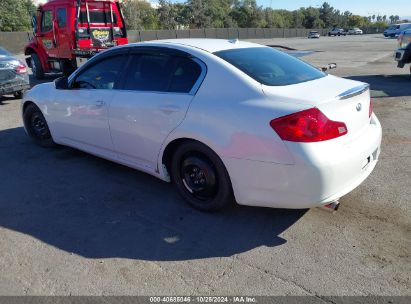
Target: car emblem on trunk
x=358, y=107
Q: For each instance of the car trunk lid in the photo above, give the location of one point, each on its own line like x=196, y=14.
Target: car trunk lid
x=339, y=99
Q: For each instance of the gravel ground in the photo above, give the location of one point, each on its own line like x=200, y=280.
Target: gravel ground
x=74, y=224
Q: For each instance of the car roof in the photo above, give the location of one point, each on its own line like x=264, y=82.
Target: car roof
x=205, y=44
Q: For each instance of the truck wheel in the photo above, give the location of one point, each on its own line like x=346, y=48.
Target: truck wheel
x=36, y=67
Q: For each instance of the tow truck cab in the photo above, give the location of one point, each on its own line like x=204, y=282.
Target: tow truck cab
x=65, y=31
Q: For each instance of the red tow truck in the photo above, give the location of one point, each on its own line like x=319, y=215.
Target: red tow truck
x=65, y=32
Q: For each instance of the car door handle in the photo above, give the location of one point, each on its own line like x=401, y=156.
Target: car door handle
x=168, y=109
x=100, y=103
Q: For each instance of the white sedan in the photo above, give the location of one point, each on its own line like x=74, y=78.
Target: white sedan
x=221, y=119
x=355, y=31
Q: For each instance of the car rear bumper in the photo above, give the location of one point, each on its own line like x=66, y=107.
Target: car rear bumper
x=322, y=173
x=402, y=56
x=15, y=85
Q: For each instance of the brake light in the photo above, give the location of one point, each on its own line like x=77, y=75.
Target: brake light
x=308, y=126
x=21, y=69
x=370, y=110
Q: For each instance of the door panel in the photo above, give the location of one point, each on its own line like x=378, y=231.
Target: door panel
x=153, y=101
x=81, y=112
x=81, y=119
x=62, y=33
x=47, y=33
x=141, y=121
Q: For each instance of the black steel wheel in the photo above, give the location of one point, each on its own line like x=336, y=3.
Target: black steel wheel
x=201, y=177
x=36, y=126
x=36, y=66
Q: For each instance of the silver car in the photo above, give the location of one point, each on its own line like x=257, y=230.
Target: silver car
x=395, y=29
x=355, y=31
x=13, y=75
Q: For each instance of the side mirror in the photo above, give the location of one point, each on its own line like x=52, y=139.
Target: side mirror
x=61, y=83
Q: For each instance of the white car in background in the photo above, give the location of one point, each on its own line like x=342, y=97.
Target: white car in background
x=313, y=34
x=355, y=31
x=221, y=119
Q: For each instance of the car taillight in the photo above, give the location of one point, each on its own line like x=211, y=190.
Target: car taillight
x=21, y=69
x=308, y=126
x=370, y=110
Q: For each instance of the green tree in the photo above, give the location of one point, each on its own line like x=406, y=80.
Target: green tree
x=139, y=15
x=327, y=14
x=167, y=15
x=198, y=14
x=248, y=14
x=15, y=15
x=357, y=21
x=312, y=18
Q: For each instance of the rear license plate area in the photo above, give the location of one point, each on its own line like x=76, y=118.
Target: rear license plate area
x=369, y=159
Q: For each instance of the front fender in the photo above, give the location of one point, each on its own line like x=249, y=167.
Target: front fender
x=41, y=96
x=33, y=47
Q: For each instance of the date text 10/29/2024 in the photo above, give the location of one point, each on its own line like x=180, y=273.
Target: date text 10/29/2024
x=203, y=299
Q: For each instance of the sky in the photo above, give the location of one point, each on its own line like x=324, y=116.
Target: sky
x=360, y=7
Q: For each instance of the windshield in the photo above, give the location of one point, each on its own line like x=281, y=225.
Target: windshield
x=269, y=66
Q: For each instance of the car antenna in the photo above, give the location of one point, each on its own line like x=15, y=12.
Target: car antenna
x=234, y=41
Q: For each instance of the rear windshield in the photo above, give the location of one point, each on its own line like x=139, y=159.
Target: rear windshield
x=269, y=66
x=97, y=17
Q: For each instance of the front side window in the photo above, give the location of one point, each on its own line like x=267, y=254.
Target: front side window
x=162, y=73
x=61, y=17
x=47, y=21
x=269, y=66
x=104, y=75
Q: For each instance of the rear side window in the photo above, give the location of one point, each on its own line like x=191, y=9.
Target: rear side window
x=269, y=66
x=162, y=73
x=47, y=21
x=61, y=17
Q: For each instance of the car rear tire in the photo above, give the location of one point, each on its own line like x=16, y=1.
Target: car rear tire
x=36, y=66
x=201, y=177
x=36, y=126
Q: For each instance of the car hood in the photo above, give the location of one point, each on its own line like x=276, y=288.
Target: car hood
x=6, y=57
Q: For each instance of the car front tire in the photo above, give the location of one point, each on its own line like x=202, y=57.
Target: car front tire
x=36, y=126
x=201, y=177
